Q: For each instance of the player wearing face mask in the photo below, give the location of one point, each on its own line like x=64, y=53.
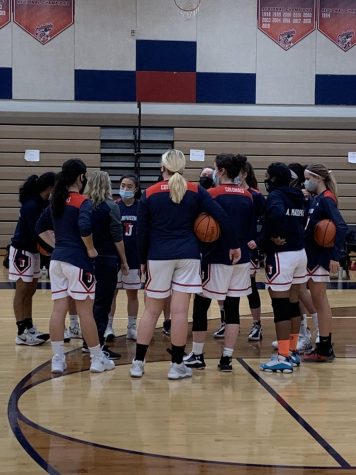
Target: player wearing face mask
x=129, y=194
x=206, y=178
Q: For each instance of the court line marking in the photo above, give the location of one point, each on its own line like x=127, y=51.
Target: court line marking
x=316, y=436
x=15, y=415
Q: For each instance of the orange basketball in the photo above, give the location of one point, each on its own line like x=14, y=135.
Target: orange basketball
x=324, y=233
x=206, y=228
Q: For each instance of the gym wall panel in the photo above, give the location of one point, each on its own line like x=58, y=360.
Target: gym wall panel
x=334, y=89
x=103, y=34
x=227, y=88
x=5, y=46
x=157, y=86
x=175, y=56
x=161, y=20
x=43, y=72
x=5, y=83
x=285, y=77
x=95, y=85
x=226, y=37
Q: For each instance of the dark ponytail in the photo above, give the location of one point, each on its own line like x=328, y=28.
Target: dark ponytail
x=34, y=185
x=233, y=164
x=251, y=179
x=71, y=169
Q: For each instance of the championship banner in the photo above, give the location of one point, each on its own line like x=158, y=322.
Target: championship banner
x=4, y=12
x=337, y=21
x=286, y=22
x=44, y=19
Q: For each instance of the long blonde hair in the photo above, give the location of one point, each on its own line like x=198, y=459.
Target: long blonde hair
x=326, y=175
x=99, y=187
x=174, y=162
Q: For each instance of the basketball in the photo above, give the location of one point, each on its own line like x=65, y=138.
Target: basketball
x=324, y=233
x=206, y=228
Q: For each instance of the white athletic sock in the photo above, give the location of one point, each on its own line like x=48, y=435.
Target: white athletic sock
x=228, y=352
x=198, y=348
x=95, y=351
x=303, y=325
x=315, y=321
x=131, y=322
x=73, y=320
x=58, y=348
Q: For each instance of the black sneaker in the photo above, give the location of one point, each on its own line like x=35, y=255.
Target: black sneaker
x=194, y=361
x=220, y=332
x=255, y=332
x=225, y=364
x=112, y=355
x=166, y=327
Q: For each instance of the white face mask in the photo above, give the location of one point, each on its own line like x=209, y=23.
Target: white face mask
x=238, y=181
x=310, y=185
x=216, y=179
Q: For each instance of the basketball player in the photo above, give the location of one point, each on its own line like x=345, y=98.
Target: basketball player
x=248, y=181
x=283, y=242
x=108, y=241
x=321, y=184
x=223, y=279
x=170, y=254
x=24, y=258
x=71, y=267
x=131, y=282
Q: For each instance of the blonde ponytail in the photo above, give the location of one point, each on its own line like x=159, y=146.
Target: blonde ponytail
x=174, y=162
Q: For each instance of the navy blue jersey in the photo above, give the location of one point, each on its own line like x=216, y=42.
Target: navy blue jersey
x=323, y=206
x=284, y=218
x=165, y=229
x=25, y=236
x=129, y=223
x=259, y=205
x=107, y=228
x=69, y=228
x=238, y=205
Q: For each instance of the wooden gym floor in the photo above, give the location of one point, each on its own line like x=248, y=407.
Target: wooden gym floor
x=247, y=422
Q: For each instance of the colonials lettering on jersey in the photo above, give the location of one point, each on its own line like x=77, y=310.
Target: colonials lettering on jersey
x=299, y=213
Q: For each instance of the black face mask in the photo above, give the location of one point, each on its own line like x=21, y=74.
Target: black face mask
x=84, y=181
x=269, y=185
x=206, y=182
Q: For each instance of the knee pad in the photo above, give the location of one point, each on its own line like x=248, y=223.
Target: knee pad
x=281, y=310
x=231, y=309
x=294, y=310
x=200, y=313
x=254, y=300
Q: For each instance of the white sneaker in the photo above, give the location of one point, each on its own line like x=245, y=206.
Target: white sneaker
x=75, y=332
x=38, y=334
x=58, y=364
x=137, y=368
x=275, y=344
x=179, y=371
x=317, y=336
x=131, y=333
x=29, y=339
x=66, y=336
x=101, y=363
x=109, y=334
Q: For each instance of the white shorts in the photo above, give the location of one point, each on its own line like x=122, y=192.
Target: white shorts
x=24, y=265
x=132, y=281
x=318, y=274
x=285, y=268
x=68, y=280
x=227, y=281
x=181, y=275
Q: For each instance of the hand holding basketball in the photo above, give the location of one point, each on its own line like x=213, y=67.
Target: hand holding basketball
x=324, y=233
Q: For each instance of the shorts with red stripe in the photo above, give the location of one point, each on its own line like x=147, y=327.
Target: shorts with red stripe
x=23, y=265
x=180, y=275
x=131, y=281
x=68, y=280
x=223, y=281
x=318, y=274
x=285, y=268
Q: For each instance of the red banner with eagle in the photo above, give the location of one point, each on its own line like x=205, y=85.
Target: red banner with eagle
x=44, y=19
x=286, y=22
x=337, y=21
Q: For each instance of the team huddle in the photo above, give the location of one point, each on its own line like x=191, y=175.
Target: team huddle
x=98, y=245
